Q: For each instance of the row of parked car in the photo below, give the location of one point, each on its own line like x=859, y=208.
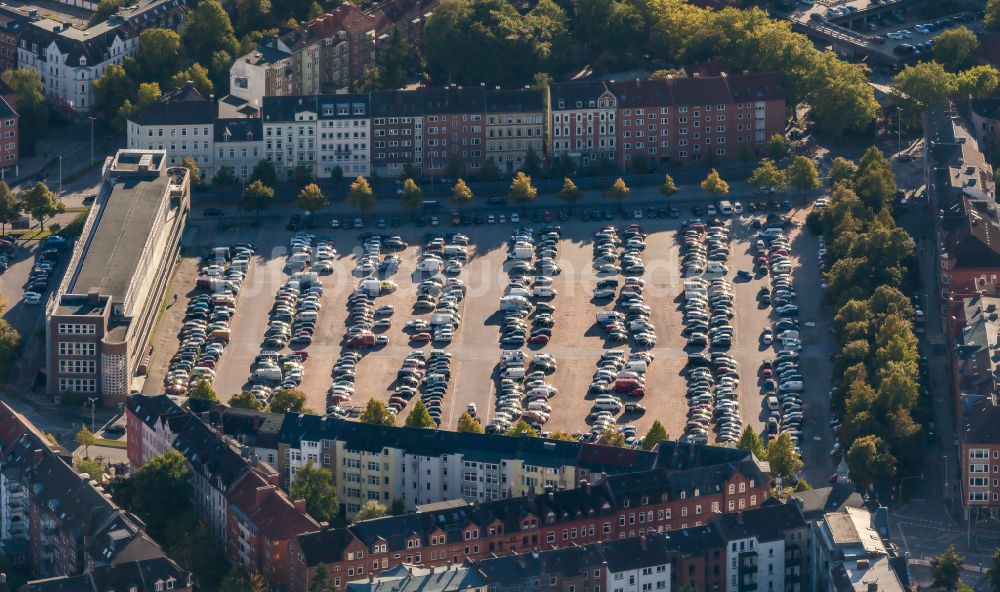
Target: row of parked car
x=781, y=379
x=516, y=303
x=342, y=390
x=50, y=251
x=522, y=391
x=712, y=378
x=434, y=384
x=617, y=374
x=442, y=293
x=205, y=332
x=371, y=263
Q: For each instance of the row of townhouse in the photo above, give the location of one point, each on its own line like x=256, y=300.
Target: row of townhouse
x=961, y=191
x=775, y=547
x=621, y=507
x=387, y=132
x=327, y=54
x=65, y=527
x=236, y=493
x=69, y=59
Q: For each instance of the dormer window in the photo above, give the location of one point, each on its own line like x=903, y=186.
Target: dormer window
x=83, y=61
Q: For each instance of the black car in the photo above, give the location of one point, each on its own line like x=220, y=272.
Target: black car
x=696, y=210
x=212, y=212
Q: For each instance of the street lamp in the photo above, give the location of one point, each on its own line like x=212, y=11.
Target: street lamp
x=60, y=174
x=903, y=480
x=93, y=407
x=899, y=129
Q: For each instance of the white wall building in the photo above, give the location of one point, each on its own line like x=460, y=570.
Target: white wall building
x=182, y=123
x=344, y=135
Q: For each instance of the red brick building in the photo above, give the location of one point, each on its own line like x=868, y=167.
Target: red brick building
x=675, y=120
x=261, y=520
x=12, y=20
x=10, y=121
x=621, y=506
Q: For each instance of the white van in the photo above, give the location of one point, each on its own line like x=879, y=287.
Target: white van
x=770, y=233
x=725, y=208
x=543, y=292
x=513, y=373
x=772, y=403
x=608, y=405
x=716, y=267
x=307, y=315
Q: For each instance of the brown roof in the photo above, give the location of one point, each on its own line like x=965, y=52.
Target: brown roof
x=277, y=516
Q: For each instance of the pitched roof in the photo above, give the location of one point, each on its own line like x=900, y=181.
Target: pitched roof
x=696, y=90
x=982, y=421
x=269, y=508
x=182, y=106
x=211, y=455
x=767, y=523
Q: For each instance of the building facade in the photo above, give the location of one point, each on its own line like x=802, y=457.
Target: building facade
x=100, y=318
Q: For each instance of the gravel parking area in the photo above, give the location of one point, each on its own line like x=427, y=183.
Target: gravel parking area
x=577, y=341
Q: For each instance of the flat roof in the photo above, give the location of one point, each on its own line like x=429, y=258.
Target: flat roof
x=124, y=226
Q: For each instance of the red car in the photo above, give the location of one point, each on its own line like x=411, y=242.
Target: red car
x=546, y=216
x=540, y=339
x=421, y=337
x=766, y=373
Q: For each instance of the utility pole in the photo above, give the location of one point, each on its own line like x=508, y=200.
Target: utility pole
x=945, y=456
x=60, y=174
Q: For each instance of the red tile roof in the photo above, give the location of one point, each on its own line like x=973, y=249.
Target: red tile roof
x=270, y=508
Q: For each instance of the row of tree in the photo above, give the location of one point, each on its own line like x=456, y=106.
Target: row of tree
x=875, y=371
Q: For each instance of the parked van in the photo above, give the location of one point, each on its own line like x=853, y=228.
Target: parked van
x=770, y=233
x=543, y=292
x=725, y=208
x=307, y=315
x=772, y=403
x=612, y=405
x=267, y=373
x=792, y=386
x=516, y=373
x=716, y=267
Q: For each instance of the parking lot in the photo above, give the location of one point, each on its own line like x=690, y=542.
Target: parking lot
x=577, y=341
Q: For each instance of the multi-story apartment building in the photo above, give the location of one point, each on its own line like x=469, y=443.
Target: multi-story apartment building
x=515, y=125
x=678, y=119
x=238, y=146
x=181, y=123
x=384, y=463
x=767, y=549
x=850, y=553
x=10, y=155
x=960, y=185
x=622, y=506
x=99, y=320
x=70, y=59
x=235, y=491
x=72, y=536
x=328, y=54
x=12, y=22
x=320, y=132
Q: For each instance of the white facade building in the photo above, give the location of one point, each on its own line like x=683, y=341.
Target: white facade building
x=182, y=123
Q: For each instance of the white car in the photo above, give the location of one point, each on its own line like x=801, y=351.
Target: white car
x=32, y=298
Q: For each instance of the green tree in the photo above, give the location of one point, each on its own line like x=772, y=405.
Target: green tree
x=336, y=175
x=619, y=191
x=105, y=9
x=869, y=460
x=148, y=93
x=569, y=192
x=777, y=147
x=90, y=468
x=978, y=82
x=224, y=178
x=197, y=75
x=41, y=203
x=467, y=423
x=455, y=167
x=521, y=428
x=841, y=171
x=30, y=105
x=207, y=30
x=313, y=484
x=397, y=507
x=111, y=90
x=288, y=400
x=162, y=492
x=371, y=511
x=420, y=417
x=801, y=174
x=768, y=177
x=839, y=93
x=397, y=61
x=302, y=176
x=192, y=166
x=953, y=48
x=669, y=188
x=203, y=390
x=320, y=581
x=10, y=208
x=369, y=81
x=639, y=164
x=946, y=569
x=991, y=18
x=412, y=195
x=489, y=171
x=714, y=185
x=85, y=438
x=751, y=441
x=562, y=436
x=802, y=485
x=253, y=15
x=311, y=198
x=158, y=56
x=10, y=345
x=611, y=437
x=377, y=413
x=521, y=190
x=264, y=172
x=993, y=574
x=782, y=457
x=656, y=434
x=361, y=195
x=532, y=163
x=257, y=197
x=246, y=400
x=237, y=580
x=921, y=87
x=564, y=165
x=461, y=195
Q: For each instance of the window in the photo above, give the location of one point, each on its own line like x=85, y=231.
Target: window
x=77, y=385
x=73, y=348
x=77, y=366
x=77, y=329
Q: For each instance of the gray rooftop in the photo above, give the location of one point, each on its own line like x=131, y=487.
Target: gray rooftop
x=124, y=225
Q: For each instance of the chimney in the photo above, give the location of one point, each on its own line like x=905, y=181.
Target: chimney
x=872, y=586
x=300, y=505
x=739, y=518
x=93, y=296
x=371, y=577
x=643, y=542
